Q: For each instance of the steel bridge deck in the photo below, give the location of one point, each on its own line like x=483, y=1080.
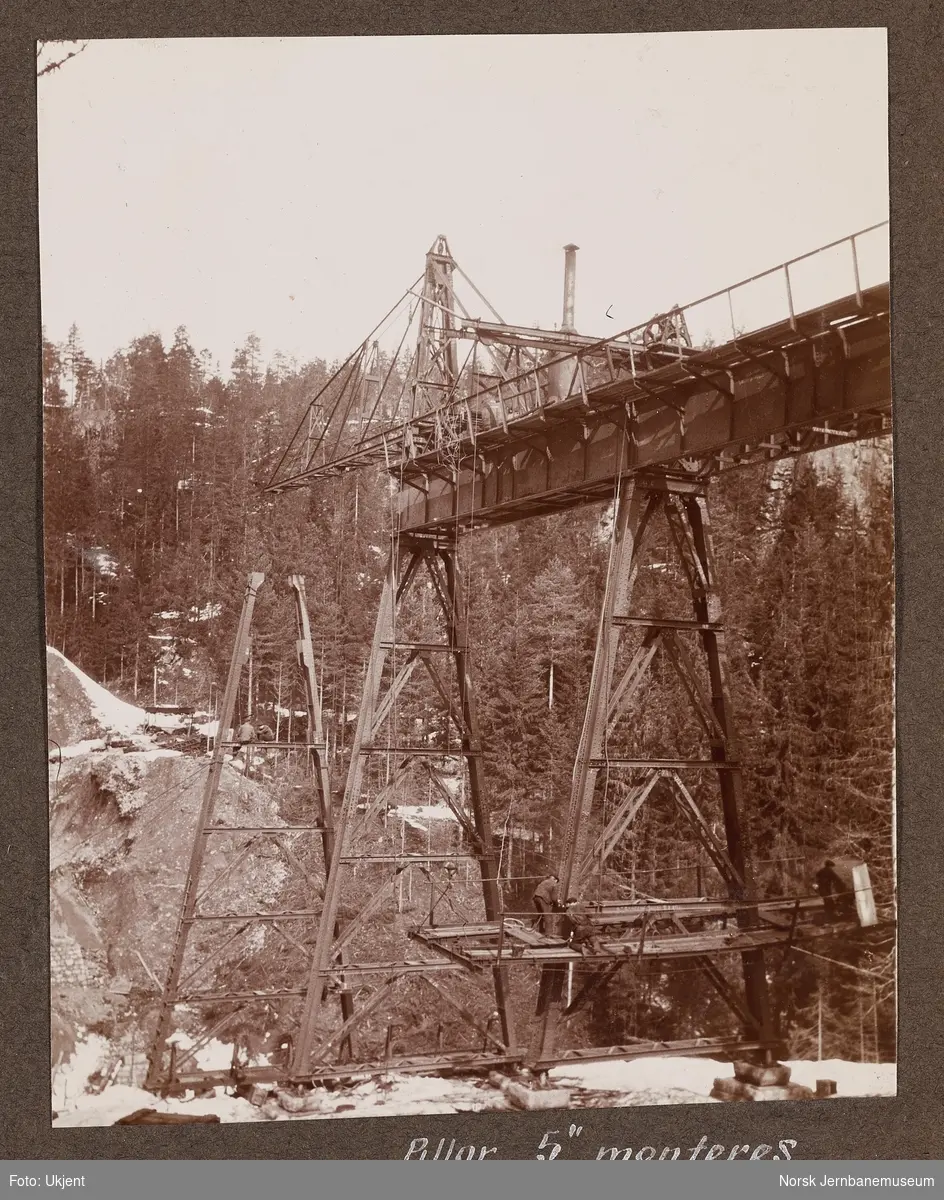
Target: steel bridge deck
x=808, y=384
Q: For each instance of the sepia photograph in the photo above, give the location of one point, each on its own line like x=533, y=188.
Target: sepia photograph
x=469, y=574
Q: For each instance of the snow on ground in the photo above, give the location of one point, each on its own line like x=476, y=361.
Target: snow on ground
x=852, y=1079
x=121, y=1100
x=111, y=713
x=152, y=753
x=408, y=1095
x=69, y=1079
x=395, y=1095
x=698, y=1074
x=76, y=751
x=420, y=816
x=146, y=750
x=626, y=1082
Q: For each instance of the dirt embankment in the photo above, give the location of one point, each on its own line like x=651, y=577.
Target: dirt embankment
x=122, y=825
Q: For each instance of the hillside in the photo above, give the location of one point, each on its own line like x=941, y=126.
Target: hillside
x=121, y=831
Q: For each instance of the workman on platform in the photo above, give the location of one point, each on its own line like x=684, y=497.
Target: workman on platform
x=838, y=898
x=578, y=930
x=245, y=736
x=545, y=899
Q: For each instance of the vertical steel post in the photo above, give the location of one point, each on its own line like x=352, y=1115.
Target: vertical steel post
x=318, y=752
x=458, y=629
x=628, y=523
x=321, y=961
x=620, y=576
x=730, y=781
x=210, y=790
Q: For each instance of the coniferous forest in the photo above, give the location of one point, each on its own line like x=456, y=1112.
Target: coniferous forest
x=154, y=517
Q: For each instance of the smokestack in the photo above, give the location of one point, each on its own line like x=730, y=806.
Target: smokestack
x=570, y=287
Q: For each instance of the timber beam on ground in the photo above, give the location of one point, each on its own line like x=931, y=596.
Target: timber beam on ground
x=444, y=1065
x=469, y=1063
x=691, y=1047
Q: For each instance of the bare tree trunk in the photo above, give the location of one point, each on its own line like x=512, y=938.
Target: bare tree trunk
x=875, y=1020
x=861, y=1028
x=819, y=1026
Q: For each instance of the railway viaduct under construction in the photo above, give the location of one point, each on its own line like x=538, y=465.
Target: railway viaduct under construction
x=494, y=423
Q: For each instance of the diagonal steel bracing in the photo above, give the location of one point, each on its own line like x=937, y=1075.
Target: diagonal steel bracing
x=412, y=562
x=190, y=959
x=532, y=422
x=704, y=677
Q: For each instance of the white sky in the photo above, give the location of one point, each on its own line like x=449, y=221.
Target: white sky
x=291, y=187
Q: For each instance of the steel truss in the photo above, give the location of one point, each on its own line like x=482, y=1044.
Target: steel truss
x=496, y=422
x=684, y=506
x=418, y=569
x=363, y=871
x=204, y=935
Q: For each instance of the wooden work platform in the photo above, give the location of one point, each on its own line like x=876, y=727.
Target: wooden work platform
x=637, y=931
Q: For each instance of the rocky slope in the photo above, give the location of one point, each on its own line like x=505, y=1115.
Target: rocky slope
x=121, y=831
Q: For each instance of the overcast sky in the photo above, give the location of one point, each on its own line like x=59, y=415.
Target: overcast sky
x=291, y=187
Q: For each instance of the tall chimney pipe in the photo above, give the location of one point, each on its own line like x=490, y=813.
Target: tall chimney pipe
x=570, y=287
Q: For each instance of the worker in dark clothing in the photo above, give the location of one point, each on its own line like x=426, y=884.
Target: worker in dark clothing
x=578, y=930
x=838, y=898
x=545, y=898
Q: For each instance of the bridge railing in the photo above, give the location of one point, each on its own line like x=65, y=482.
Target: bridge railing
x=845, y=267
x=842, y=268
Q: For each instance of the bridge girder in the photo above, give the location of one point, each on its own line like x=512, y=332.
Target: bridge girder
x=783, y=392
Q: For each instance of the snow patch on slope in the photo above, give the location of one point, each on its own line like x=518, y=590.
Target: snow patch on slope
x=421, y=816
x=107, y=709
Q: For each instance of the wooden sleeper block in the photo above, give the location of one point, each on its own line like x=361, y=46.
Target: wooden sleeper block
x=150, y=1116
x=530, y=1098
x=776, y=1075
x=736, y=1089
